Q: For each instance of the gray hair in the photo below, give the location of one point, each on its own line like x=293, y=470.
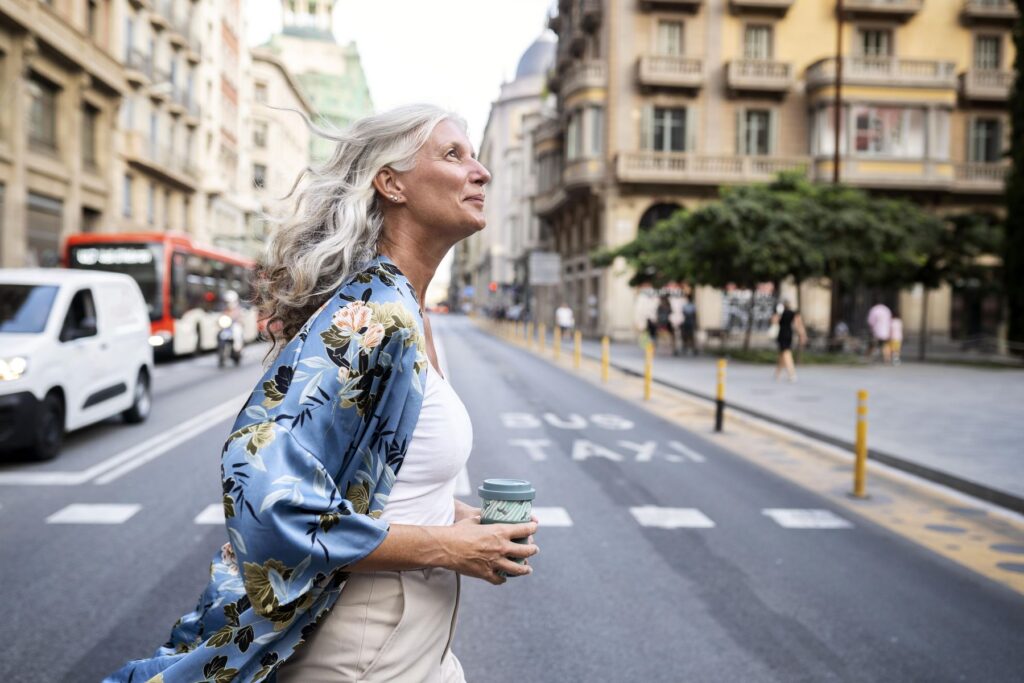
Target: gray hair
x=337, y=221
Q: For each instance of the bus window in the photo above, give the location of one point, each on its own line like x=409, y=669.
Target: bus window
x=179, y=285
x=195, y=286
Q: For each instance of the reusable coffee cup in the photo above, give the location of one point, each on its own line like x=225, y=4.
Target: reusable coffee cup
x=506, y=501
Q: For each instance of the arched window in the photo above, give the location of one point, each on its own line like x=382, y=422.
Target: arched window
x=657, y=213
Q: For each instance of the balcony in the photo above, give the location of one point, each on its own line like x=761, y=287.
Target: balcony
x=547, y=202
x=138, y=67
x=662, y=71
x=983, y=178
x=161, y=15
x=888, y=173
x=591, y=15
x=886, y=71
x=999, y=11
x=165, y=161
x=682, y=168
x=983, y=85
x=547, y=131
x=886, y=9
x=584, y=75
x=582, y=172
x=774, y=6
x=759, y=75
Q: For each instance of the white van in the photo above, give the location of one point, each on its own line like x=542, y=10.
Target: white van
x=74, y=350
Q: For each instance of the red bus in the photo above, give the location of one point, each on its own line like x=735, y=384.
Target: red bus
x=183, y=282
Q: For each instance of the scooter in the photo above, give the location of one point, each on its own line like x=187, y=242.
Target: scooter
x=226, y=341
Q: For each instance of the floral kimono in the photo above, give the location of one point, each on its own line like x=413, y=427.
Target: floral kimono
x=306, y=473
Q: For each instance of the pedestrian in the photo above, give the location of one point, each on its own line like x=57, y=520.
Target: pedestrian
x=789, y=321
x=677, y=302
x=339, y=473
x=564, y=319
x=690, y=326
x=645, y=316
x=879, y=322
x=895, y=339
x=664, y=322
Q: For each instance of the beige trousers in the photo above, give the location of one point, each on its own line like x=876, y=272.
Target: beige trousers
x=386, y=626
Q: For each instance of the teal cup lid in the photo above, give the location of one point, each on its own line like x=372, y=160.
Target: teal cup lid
x=506, y=489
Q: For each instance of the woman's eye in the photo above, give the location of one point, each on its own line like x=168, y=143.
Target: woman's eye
x=453, y=151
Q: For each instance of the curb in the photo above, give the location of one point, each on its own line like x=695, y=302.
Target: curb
x=971, y=488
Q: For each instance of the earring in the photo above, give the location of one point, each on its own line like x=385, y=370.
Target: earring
x=394, y=198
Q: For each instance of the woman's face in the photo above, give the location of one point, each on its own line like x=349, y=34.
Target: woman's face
x=445, y=189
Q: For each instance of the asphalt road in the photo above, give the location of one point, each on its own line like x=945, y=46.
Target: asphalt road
x=729, y=593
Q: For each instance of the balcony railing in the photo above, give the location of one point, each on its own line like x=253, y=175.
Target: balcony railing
x=549, y=200
x=773, y=5
x=164, y=159
x=140, y=63
x=890, y=8
x=759, y=74
x=586, y=171
x=891, y=71
x=680, y=4
x=988, y=85
x=588, y=74
x=549, y=129
x=670, y=71
x=990, y=177
x=992, y=10
x=684, y=167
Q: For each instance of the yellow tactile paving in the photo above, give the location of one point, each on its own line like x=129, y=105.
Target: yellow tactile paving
x=978, y=536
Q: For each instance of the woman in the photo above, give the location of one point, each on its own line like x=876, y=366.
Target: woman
x=788, y=321
x=332, y=540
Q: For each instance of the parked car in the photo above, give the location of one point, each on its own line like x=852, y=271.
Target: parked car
x=74, y=350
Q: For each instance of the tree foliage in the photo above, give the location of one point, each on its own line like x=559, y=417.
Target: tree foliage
x=1013, y=241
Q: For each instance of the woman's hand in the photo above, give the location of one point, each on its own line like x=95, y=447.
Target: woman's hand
x=482, y=550
x=464, y=511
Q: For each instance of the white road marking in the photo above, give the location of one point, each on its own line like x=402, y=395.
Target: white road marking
x=671, y=518
x=462, y=487
x=211, y=514
x=553, y=516
x=807, y=519
x=534, y=447
x=583, y=449
x=136, y=456
x=94, y=513
x=687, y=451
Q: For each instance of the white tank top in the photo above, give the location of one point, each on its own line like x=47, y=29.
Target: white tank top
x=424, y=492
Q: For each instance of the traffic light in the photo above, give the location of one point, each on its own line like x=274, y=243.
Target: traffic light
x=493, y=286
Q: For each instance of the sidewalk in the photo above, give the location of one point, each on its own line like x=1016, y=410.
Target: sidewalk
x=960, y=426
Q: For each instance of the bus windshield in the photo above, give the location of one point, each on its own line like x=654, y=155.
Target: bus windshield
x=143, y=261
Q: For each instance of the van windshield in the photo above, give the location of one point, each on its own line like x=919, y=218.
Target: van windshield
x=24, y=309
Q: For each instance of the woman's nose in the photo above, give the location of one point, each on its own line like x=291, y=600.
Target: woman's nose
x=482, y=175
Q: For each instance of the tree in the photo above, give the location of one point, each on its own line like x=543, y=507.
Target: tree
x=1013, y=241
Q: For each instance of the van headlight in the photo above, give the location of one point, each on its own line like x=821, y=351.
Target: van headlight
x=12, y=368
x=225, y=321
x=160, y=338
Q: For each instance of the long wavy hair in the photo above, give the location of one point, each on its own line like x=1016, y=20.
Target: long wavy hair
x=335, y=227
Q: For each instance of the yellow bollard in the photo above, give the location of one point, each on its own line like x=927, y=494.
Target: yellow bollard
x=648, y=370
x=605, y=353
x=861, y=463
x=529, y=334
x=577, y=350
x=558, y=342
x=542, y=336
x=720, y=396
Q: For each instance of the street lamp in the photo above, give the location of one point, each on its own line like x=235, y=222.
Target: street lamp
x=838, y=91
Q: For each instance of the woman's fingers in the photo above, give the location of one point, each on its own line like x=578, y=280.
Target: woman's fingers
x=521, y=550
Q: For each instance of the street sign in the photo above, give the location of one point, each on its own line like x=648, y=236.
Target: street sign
x=545, y=268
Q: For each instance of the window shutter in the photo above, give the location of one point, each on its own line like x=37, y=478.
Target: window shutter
x=972, y=140
x=647, y=127
x=773, y=132
x=690, y=141
x=741, y=148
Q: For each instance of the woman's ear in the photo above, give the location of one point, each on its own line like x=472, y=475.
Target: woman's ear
x=386, y=183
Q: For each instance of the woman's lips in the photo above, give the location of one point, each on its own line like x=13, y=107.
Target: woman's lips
x=477, y=199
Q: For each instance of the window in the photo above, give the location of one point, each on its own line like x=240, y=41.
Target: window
x=129, y=37
x=154, y=132
x=259, y=176
x=988, y=53
x=259, y=133
x=42, y=116
x=90, y=116
x=261, y=93
x=668, y=129
x=151, y=204
x=875, y=42
x=757, y=42
x=44, y=220
x=92, y=17
x=126, y=196
x=24, y=309
x=670, y=38
x=755, y=132
x=985, y=141
x=574, y=136
x=596, y=115
x=80, y=320
x=889, y=131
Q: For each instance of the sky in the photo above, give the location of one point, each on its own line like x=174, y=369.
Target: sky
x=453, y=53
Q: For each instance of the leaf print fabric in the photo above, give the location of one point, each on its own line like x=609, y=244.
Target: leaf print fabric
x=306, y=472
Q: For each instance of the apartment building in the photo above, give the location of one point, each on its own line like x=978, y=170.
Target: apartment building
x=497, y=258
x=156, y=178
x=662, y=102
x=61, y=86
x=280, y=141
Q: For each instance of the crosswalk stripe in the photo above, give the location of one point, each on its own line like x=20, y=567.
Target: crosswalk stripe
x=806, y=519
x=211, y=514
x=553, y=516
x=94, y=513
x=671, y=518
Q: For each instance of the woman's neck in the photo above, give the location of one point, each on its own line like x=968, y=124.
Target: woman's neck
x=418, y=262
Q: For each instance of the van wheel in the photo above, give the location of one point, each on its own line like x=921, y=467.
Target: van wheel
x=143, y=400
x=49, y=428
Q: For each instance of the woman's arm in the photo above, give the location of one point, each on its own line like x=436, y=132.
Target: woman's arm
x=466, y=547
